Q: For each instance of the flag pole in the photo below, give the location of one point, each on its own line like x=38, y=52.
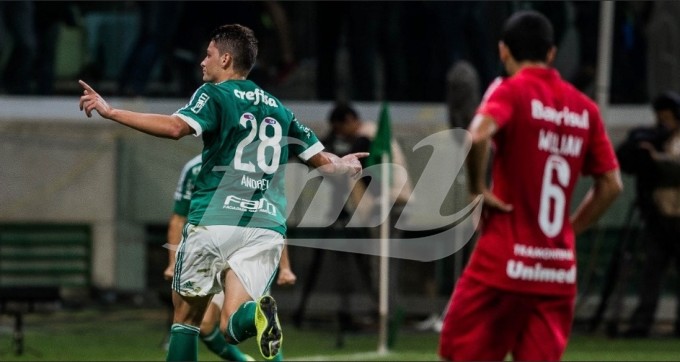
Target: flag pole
x=604, y=57
x=381, y=151
x=384, y=254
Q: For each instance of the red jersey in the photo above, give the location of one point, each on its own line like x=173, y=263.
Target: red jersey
x=548, y=134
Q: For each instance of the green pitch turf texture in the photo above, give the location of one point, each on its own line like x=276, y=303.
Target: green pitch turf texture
x=137, y=335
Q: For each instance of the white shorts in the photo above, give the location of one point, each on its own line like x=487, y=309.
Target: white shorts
x=207, y=251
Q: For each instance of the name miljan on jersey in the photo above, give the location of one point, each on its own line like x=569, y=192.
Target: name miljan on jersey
x=256, y=96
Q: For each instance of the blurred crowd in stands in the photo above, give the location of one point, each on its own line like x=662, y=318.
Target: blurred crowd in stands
x=359, y=51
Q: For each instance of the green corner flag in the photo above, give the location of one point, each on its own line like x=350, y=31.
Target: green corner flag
x=382, y=142
x=381, y=153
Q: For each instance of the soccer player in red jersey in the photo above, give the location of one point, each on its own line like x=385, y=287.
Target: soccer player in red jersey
x=517, y=292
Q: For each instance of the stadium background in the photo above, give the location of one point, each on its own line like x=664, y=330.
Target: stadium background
x=62, y=174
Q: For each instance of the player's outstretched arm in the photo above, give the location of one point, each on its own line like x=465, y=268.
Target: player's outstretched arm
x=159, y=125
x=329, y=163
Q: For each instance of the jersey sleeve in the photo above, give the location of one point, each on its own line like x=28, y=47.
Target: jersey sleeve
x=185, y=188
x=497, y=102
x=201, y=111
x=600, y=156
x=305, y=143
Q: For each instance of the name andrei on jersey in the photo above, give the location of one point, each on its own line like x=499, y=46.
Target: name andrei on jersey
x=256, y=96
x=565, y=116
x=254, y=184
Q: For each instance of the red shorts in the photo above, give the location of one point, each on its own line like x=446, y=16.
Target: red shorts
x=485, y=324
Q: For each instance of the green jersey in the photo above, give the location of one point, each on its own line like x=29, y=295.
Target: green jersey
x=185, y=186
x=247, y=138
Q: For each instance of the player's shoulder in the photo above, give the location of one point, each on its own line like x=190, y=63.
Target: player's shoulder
x=499, y=82
x=578, y=95
x=203, y=94
x=494, y=86
x=208, y=88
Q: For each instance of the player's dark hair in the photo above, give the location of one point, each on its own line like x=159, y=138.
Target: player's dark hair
x=668, y=100
x=529, y=36
x=240, y=42
x=340, y=112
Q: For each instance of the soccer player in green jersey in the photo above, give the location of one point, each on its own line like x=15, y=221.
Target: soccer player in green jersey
x=233, y=239
x=209, y=332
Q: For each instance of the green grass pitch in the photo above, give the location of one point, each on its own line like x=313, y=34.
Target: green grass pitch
x=137, y=335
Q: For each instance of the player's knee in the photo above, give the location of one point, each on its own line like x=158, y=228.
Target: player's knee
x=224, y=324
x=229, y=339
x=225, y=316
x=224, y=329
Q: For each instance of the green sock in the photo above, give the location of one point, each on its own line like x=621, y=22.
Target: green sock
x=242, y=322
x=216, y=342
x=183, y=343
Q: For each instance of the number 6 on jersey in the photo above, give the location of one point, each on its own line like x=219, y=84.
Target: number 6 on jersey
x=553, y=194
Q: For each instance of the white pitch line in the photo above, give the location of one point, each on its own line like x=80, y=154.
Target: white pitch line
x=362, y=356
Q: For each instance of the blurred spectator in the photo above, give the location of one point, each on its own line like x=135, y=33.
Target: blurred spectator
x=462, y=99
x=462, y=93
x=368, y=29
x=417, y=49
x=466, y=30
x=652, y=154
x=49, y=15
x=17, y=20
x=196, y=21
x=269, y=21
x=390, y=45
x=441, y=34
x=349, y=134
x=663, y=50
x=344, y=138
x=555, y=11
x=158, y=22
x=587, y=22
x=278, y=54
x=629, y=58
x=111, y=28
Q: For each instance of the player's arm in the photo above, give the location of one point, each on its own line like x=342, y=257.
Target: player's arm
x=481, y=130
x=160, y=125
x=603, y=192
x=175, y=226
x=286, y=275
x=331, y=164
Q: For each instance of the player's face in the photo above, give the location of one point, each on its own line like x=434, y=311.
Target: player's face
x=211, y=64
x=349, y=127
